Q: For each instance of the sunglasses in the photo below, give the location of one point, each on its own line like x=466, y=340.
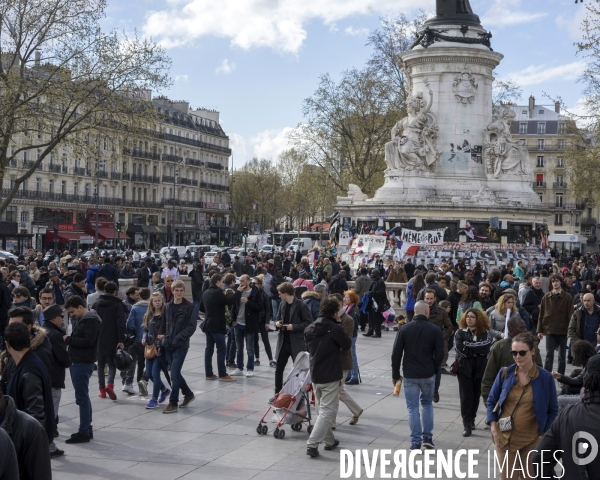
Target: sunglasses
x=521, y=353
x=18, y=295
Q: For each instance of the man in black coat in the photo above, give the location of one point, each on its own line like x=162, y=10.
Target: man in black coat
x=244, y=317
x=325, y=339
x=532, y=302
x=197, y=279
x=337, y=283
x=54, y=319
x=379, y=296
x=421, y=343
x=293, y=317
x=214, y=302
x=5, y=303
x=39, y=343
x=83, y=350
x=109, y=271
x=29, y=439
x=29, y=385
x=114, y=314
x=143, y=275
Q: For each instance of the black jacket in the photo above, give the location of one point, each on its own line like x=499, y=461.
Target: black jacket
x=114, y=315
x=473, y=351
x=421, y=344
x=5, y=304
x=110, y=272
x=440, y=293
x=30, y=388
x=214, y=301
x=60, y=354
x=83, y=341
x=197, y=280
x=40, y=344
x=324, y=339
x=9, y=466
x=559, y=440
x=73, y=290
x=379, y=294
x=30, y=441
x=143, y=277
x=267, y=312
x=532, y=302
x=252, y=311
x=275, y=282
x=180, y=326
x=337, y=284
x=300, y=318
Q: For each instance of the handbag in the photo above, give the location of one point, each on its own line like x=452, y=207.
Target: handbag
x=454, y=367
x=506, y=424
x=150, y=352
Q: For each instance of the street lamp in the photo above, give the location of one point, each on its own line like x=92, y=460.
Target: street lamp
x=97, y=189
x=173, y=241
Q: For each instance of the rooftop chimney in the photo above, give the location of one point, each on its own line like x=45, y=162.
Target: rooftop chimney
x=531, y=105
x=557, y=107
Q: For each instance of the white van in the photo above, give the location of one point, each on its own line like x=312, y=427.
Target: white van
x=194, y=249
x=302, y=244
x=180, y=250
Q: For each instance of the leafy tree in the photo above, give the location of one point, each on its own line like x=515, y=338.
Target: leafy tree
x=65, y=83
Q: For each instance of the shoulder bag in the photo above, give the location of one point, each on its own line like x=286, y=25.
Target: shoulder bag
x=150, y=352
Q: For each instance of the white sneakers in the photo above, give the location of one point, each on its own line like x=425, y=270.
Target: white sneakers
x=129, y=389
x=250, y=373
x=236, y=373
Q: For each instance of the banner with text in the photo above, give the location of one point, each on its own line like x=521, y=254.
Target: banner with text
x=424, y=237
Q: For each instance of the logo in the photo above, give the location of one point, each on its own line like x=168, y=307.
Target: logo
x=585, y=448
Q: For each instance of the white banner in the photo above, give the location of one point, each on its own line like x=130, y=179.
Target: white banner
x=424, y=237
x=367, y=244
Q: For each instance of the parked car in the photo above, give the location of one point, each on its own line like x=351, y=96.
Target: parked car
x=8, y=256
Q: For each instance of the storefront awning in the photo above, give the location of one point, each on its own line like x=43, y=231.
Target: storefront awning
x=567, y=238
x=107, y=232
x=64, y=237
x=135, y=229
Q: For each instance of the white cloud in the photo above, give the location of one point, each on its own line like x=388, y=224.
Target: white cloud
x=356, y=31
x=225, y=67
x=182, y=78
x=239, y=147
x=270, y=143
x=572, y=24
x=503, y=13
x=536, y=74
x=276, y=24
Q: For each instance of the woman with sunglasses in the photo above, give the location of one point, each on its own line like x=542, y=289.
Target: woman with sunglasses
x=14, y=280
x=473, y=342
x=520, y=408
x=22, y=298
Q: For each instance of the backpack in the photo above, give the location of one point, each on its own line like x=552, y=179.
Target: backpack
x=300, y=289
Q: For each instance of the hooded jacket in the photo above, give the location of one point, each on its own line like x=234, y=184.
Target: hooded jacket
x=113, y=313
x=40, y=344
x=313, y=300
x=90, y=278
x=30, y=388
x=83, y=341
x=135, y=320
x=30, y=441
x=324, y=339
x=59, y=353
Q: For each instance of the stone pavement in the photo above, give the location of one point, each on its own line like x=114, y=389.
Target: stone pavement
x=215, y=438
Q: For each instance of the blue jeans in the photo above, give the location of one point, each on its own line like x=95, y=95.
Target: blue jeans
x=240, y=336
x=80, y=377
x=275, y=305
x=415, y=389
x=213, y=339
x=230, y=353
x=197, y=305
x=175, y=359
x=354, y=372
x=153, y=369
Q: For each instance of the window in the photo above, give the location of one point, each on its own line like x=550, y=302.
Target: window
x=87, y=190
x=124, y=167
x=559, y=181
x=24, y=186
x=541, y=112
x=133, y=190
x=539, y=180
x=540, y=162
x=164, y=195
x=541, y=198
x=154, y=195
x=38, y=185
x=562, y=128
x=51, y=186
x=63, y=187
x=560, y=162
x=105, y=143
x=541, y=128
x=10, y=214
x=524, y=112
x=25, y=216
x=540, y=144
x=558, y=219
x=559, y=200
x=104, y=191
x=76, y=188
x=124, y=193
x=561, y=144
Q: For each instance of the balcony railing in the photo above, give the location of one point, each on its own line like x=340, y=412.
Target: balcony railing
x=101, y=174
x=190, y=141
x=54, y=168
x=115, y=176
x=195, y=183
x=546, y=148
x=182, y=203
x=126, y=176
x=168, y=179
x=539, y=185
x=565, y=206
x=214, y=166
x=171, y=158
x=559, y=185
x=560, y=164
x=12, y=163
x=65, y=169
x=194, y=162
x=144, y=178
x=148, y=155
x=588, y=221
x=185, y=181
x=28, y=163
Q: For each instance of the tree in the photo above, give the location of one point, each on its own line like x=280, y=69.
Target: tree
x=506, y=91
x=66, y=84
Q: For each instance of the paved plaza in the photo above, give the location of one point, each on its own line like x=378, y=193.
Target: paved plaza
x=215, y=438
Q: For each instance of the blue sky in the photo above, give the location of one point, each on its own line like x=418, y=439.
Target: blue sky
x=256, y=60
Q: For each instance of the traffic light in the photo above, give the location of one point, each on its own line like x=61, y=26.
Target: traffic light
x=245, y=232
x=119, y=227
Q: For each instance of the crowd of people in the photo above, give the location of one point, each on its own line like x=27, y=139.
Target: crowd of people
x=69, y=313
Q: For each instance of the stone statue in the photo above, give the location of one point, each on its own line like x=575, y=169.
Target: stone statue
x=504, y=154
x=413, y=145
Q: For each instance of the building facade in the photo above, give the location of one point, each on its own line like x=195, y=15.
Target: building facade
x=174, y=178
x=544, y=131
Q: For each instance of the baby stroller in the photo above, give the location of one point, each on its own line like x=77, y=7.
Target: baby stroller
x=292, y=404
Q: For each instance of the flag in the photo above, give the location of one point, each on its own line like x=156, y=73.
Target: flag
x=255, y=206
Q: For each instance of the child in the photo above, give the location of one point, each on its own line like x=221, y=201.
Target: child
x=446, y=305
x=401, y=321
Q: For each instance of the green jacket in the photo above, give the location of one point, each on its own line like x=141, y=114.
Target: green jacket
x=500, y=357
